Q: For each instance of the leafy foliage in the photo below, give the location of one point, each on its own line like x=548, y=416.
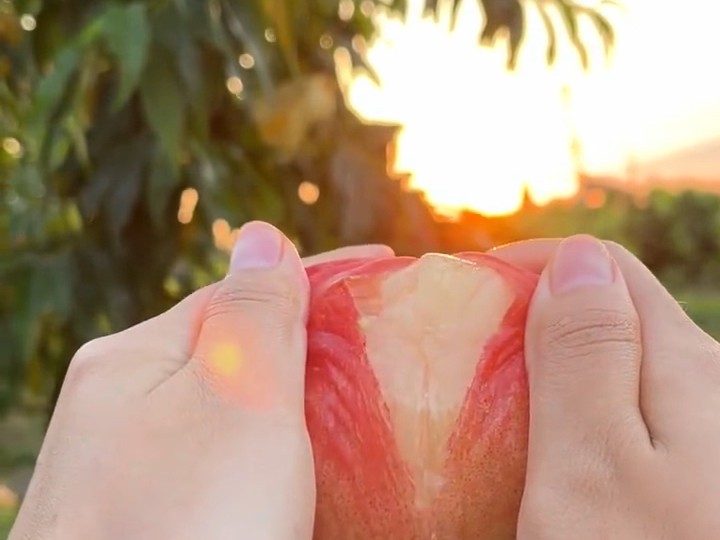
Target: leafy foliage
x=135, y=132
x=674, y=234
x=677, y=236
x=506, y=18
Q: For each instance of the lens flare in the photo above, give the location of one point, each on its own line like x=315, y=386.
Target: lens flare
x=227, y=361
x=240, y=375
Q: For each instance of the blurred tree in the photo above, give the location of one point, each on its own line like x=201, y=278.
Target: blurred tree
x=695, y=232
x=676, y=236
x=651, y=228
x=506, y=19
x=134, y=132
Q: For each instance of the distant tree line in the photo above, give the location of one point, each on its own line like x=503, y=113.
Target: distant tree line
x=677, y=235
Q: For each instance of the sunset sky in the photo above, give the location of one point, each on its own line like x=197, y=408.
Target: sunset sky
x=475, y=134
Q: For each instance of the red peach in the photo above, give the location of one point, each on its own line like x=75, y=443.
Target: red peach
x=416, y=397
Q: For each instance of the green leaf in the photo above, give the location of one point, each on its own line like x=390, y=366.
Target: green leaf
x=61, y=147
x=51, y=92
x=613, y=3
x=604, y=28
x=184, y=49
x=430, y=7
x=248, y=25
x=107, y=188
x=163, y=103
x=123, y=198
x=271, y=205
x=52, y=285
x=569, y=15
x=79, y=143
x=127, y=33
x=504, y=17
x=551, y=53
x=456, y=5
x=280, y=14
x=162, y=182
x=24, y=325
x=187, y=58
x=48, y=290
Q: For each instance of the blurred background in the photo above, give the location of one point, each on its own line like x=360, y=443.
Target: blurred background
x=137, y=136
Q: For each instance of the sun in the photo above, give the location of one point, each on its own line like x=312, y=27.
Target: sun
x=474, y=136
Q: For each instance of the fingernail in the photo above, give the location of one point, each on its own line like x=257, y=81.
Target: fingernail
x=580, y=261
x=259, y=246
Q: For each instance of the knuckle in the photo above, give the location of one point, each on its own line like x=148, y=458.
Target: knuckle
x=87, y=361
x=590, y=330
x=279, y=298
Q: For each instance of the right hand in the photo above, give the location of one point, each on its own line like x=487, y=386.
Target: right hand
x=624, y=402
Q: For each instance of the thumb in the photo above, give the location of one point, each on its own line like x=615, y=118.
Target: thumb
x=583, y=351
x=251, y=346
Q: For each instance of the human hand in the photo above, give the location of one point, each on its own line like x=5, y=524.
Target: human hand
x=190, y=425
x=624, y=402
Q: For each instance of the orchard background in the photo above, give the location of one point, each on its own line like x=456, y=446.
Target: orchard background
x=136, y=137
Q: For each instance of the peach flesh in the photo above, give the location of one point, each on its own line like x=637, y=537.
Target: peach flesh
x=416, y=397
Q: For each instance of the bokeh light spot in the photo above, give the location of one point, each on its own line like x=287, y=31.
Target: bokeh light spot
x=226, y=360
x=346, y=10
x=359, y=44
x=326, y=41
x=308, y=192
x=9, y=500
x=247, y=61
x=367, y=8
x=28, y=23
x=12, y=146
x=234, y=85
x=223, y=235
x=595, y=198
x=188, y=202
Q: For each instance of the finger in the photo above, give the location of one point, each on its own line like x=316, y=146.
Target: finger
x=369, y=251
x=646, y=291
x=583, y=352
x=251, y=346
x=680, y=373
x=181, y=323
x=180, y=326
x=532, y=255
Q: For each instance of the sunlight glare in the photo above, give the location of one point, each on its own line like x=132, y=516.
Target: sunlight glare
x=226, y=360
x=236, y=371
x=475, y=134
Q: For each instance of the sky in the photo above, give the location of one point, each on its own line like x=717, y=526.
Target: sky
x=474, y=134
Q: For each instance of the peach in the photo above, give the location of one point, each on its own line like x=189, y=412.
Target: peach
x=416, y=398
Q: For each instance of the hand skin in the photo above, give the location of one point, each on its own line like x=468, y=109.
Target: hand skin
x=624, y=402
x=190, y=425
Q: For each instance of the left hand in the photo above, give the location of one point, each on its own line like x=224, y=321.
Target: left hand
x=190, y=425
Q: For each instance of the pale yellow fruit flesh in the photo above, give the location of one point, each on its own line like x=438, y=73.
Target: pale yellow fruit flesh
x=411, y=320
